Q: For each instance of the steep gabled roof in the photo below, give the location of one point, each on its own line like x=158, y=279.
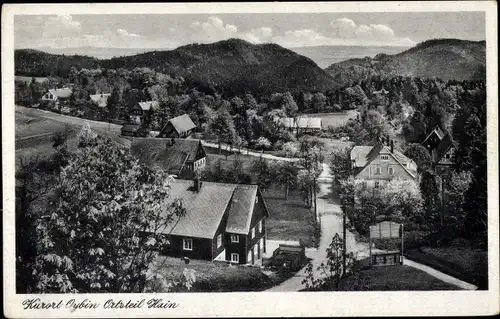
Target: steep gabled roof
x=157, y=152
x=204, y=208
x=182, y=123
x=443, y=147
x=145, y=106
x=438, y=131
x=359, y=155
x=240, y=211
x=358, y=152
x=100, y=99
x=61, y=93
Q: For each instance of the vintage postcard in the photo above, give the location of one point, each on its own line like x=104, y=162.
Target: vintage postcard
x=250, y=159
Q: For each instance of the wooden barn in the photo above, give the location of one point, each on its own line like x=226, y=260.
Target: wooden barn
x=180, y=126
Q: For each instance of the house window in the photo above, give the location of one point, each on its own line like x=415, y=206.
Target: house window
x=235, y=238
x=219, y=240
x=260, y=226
x=377, y=184
x=253, y=233
x=187, y=244
x=384, y=157
x=391, y=170
x=378, y=170
x=235, y=258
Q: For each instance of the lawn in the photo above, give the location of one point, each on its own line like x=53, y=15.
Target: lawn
x=390, y=278
x=27, y=125
x=27, y=79
x=217, y=276
x=289, y=219
x=467, y=264
x=227, y=159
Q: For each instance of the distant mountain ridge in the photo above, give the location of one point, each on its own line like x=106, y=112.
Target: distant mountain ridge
x=229, y=64
x=238, y=66
x=443, y=58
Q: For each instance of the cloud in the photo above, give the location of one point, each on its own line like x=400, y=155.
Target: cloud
x=259, y=35
x=124, y=33
x=61, y=26
x=212, y=30
x=343, y=31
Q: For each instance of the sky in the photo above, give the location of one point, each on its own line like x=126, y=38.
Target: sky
x=290, y=30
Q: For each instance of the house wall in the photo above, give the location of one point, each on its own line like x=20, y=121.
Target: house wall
x=239, y=248
x=199, y=164
x=431, y=142
x=202, y=248
x=49, y=97
x=220, y=231
x=168, y=131
x=259, y=214
x=369, y=171
x=448, y=157
x=128, y=133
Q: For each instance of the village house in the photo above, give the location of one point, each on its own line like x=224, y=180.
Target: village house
x=180, y=157
x=375, y=165
x=57, y=96
x=441, y=148
x=180, y=126
x=225, y=222
x=100, y=99
x=139, y=111
x=301, y=124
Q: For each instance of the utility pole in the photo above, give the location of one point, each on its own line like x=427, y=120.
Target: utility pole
x=344, y=244
x=315, y=204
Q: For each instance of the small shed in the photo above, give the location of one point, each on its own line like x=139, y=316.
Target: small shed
x=130, y=129
x=288, y=256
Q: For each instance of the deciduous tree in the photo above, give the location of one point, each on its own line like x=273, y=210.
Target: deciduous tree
x=112, y=213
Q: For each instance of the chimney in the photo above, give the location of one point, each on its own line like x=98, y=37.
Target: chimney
x=196, y=184
x=382, y=140
x=392, y=146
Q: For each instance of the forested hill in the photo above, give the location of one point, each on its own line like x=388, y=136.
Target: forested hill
x=229, y=65
x=448, y=59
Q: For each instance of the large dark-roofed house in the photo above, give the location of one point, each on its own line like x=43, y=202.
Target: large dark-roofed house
x=222, y=222
x=181, y=157
x=180, y=126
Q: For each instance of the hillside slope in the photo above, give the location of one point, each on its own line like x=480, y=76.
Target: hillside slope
x=444, y=58
x=232, y=64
